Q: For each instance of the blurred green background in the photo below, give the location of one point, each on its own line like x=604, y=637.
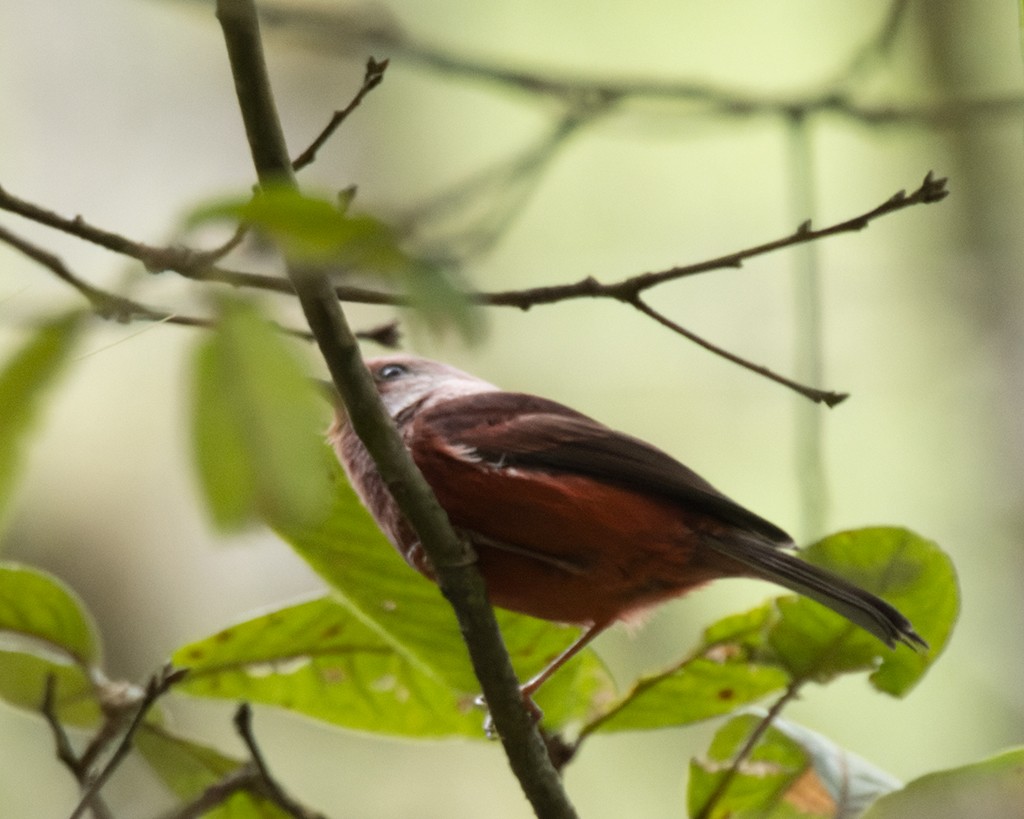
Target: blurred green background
x=124, y=112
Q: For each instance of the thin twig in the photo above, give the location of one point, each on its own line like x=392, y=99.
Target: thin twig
x=626, y=290
x=208, y=257
x=183, y=260
x=105, y=304
x=157, y=686
x=371, y=79
x=490, y=199
x=817, y=396
x=748, y=747
x=152, y=257
x=246, y=778
x=931, y=190
x=101, y=301
x=270, y=787
x=875, y=47
x=65, y=752
x=123, y=310
x=253, y=777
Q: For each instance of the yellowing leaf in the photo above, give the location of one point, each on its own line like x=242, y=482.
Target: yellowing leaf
x=320, y=660
x=762, y=781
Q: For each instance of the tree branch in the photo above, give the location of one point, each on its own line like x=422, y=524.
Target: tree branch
x=157, y=686
x=252, y=777
x=458, y=577
x=190, y=263
x=105, y=304
x=931, y=190
x=755, y=736
x=826, y=397
x=335, y=30
x=268, y=785
x=371, y=79
x=246, y=778
x=117, y=308
x=184, y=260
x=65, y=752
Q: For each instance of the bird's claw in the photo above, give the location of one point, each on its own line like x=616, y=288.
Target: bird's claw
x=489, y=728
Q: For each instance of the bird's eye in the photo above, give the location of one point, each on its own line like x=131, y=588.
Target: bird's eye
x=389, y=372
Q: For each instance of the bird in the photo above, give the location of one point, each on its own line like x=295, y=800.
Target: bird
x=572, y=521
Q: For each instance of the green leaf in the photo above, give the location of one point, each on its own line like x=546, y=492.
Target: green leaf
x=908, y=571
x=409, y=612
x=23, y=385
x=313, y=230
x=318, y=659
x=699, y=689
x=189, y=768
x=256, y=426
x=719, y=677
x=316, y=231
x=45, y=631
x=747, y=656
x=991, y=788
x=763, y=783
x=580, y=689
x=38, y=608
x=23, y=679
x=439, y=300
x=792, y=772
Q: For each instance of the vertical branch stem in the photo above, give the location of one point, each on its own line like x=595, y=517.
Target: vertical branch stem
x=809, y=365
x=458, y=577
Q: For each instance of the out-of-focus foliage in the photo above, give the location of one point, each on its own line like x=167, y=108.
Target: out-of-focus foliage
x=255, y=424
x=791, y=772
x=45, y=633
x=23, y=384
x=313, y=231
x=993, y=787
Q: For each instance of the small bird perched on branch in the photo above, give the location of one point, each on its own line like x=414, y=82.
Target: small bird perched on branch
x=570, y=520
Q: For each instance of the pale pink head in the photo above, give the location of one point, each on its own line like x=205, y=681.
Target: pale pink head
x=406, y=381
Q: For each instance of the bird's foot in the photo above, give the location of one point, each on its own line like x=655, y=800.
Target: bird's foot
x=489, y=728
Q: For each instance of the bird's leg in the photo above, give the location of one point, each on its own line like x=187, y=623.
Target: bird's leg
x=529, y=688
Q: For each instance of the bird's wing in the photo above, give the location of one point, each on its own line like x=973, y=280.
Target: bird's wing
x=518, y=431
x=524, y=431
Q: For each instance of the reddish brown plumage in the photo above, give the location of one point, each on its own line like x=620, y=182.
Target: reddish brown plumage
x=572, y=521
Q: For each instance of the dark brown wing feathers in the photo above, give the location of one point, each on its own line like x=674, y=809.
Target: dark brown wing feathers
x=525, y=431
x=514, y=429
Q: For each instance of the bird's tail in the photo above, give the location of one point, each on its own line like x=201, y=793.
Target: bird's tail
x=855, y=604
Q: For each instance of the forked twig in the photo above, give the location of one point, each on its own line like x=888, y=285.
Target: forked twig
x=157, y=686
